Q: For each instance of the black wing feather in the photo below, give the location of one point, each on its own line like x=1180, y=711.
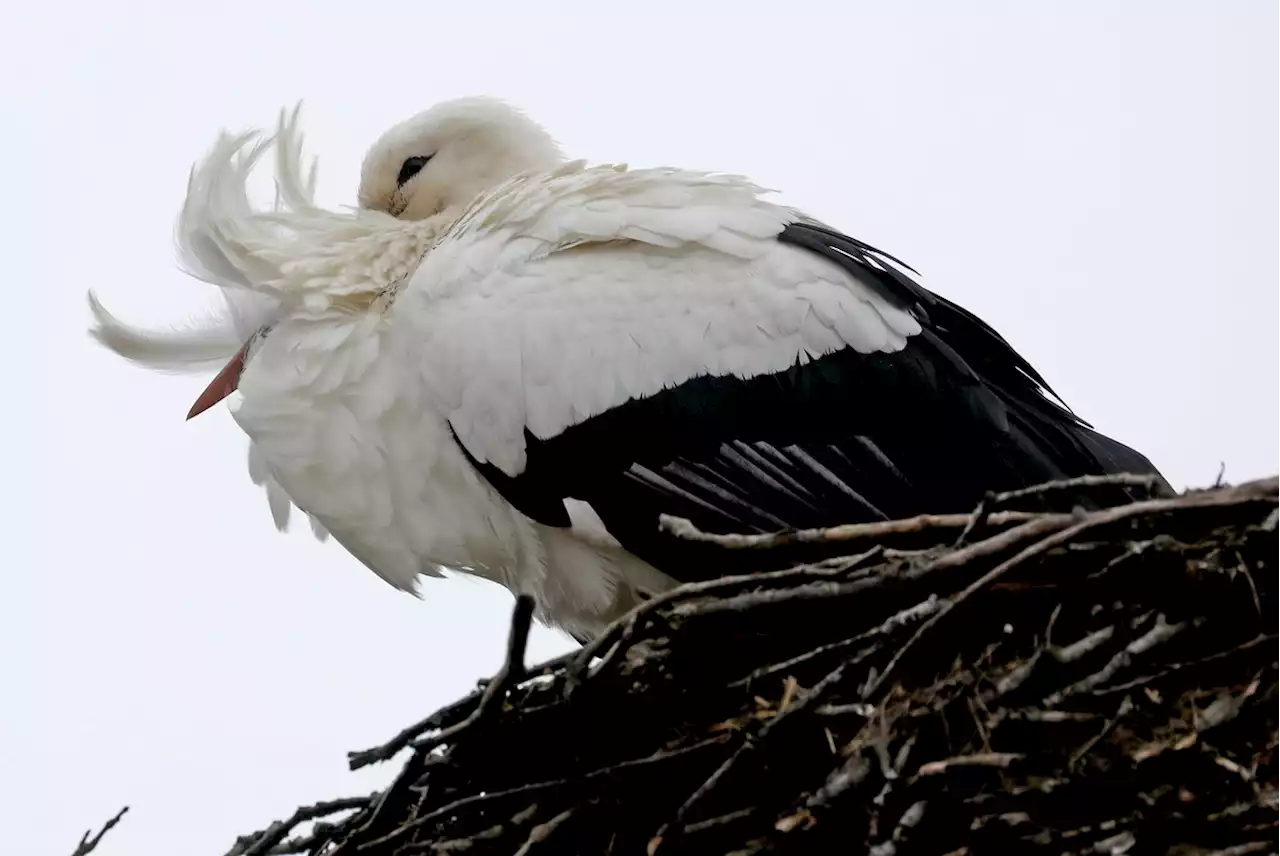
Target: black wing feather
x=844, y=438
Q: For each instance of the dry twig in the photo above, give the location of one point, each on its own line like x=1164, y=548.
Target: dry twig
x=89, y=842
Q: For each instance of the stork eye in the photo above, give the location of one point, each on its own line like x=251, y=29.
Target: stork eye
x=411, y=167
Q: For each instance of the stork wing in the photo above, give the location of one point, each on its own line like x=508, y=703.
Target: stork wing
x=808, y=383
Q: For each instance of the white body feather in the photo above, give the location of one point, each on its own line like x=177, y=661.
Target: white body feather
x=550, y=299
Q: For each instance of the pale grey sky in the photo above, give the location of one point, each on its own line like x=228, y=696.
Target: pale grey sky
x=1096, y=179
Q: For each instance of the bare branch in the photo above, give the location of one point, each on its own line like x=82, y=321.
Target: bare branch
x=682, y=528
x=263, y=842
x=88, y=843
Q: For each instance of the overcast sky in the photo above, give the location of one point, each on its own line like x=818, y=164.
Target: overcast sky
x=1096, y=179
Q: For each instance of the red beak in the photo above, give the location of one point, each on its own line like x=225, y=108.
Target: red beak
x=223, y=385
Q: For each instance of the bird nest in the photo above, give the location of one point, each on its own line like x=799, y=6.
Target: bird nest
x=1005, y=681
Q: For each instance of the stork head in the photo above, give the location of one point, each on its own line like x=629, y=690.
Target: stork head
x=436, y=162
x=443, y=158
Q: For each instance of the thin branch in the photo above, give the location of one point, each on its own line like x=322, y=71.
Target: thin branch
x=985, y=759
x=88, y=843
x=1153, y=484
x=683, y=528
x=979, y=517
x=261, y=843
x=543, y=831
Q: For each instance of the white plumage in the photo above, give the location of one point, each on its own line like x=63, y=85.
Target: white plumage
x=425, y=375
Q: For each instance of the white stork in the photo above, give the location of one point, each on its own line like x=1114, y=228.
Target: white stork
x=509, y=364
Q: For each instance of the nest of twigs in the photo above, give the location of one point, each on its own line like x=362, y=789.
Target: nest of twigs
x=1002, y=682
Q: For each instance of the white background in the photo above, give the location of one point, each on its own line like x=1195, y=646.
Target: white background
x=1096, y=179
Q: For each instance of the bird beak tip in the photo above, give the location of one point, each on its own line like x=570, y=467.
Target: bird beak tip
x=196, y=410
x=227, y=381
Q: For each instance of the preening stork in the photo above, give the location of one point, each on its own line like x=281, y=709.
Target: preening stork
x=509, y=364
